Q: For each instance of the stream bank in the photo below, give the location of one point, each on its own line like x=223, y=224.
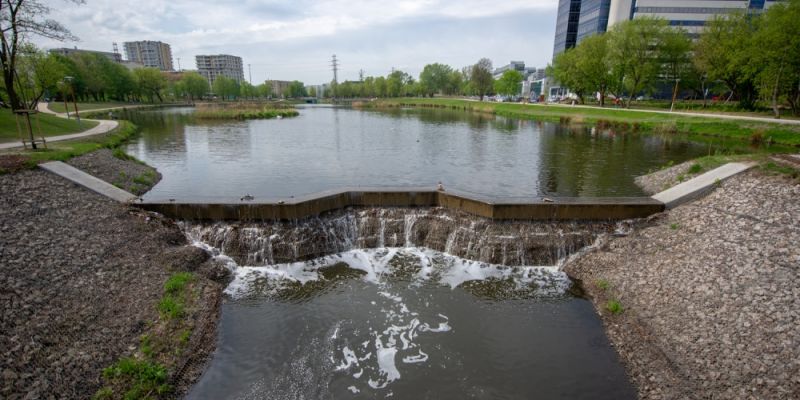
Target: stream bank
x=710, y=305
x=81, y=281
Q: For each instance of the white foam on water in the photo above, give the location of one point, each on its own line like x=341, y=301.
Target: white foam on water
x=395, y=338
x=353, y=389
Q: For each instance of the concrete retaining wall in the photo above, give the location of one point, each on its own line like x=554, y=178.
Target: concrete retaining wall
x=499, y=209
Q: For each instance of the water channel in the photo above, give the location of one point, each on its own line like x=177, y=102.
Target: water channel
x=418, y=304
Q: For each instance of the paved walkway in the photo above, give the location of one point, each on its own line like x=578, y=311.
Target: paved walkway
x=681, y=113
x=103, y=126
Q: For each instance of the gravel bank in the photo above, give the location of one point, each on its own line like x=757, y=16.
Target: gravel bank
x=135, y=177
x=711, y=292
x=80, y=279
x=664, y=179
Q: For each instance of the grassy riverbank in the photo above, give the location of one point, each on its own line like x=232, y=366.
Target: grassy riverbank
x=43, y=125
x=755, y=132
x=245, y=111
x=61, y=151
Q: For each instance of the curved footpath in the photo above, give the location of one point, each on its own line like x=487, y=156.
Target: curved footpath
x=103, y=126
x=710, y=292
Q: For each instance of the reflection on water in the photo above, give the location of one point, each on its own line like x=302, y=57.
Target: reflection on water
x=327, y=148
x=407, y=323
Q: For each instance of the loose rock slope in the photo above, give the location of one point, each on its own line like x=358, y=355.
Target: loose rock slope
x=80, y=280
x=711, y=294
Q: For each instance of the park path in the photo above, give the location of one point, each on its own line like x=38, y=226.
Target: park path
x=103, y=126
x=681, y=113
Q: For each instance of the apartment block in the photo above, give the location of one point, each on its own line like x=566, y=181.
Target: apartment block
x=150, y=54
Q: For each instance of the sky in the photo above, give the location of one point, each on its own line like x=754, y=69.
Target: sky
x=295, y=39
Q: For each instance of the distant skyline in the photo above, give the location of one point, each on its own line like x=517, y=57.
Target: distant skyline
x=289, y=40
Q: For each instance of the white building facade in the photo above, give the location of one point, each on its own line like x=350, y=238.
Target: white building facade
x=213, y=66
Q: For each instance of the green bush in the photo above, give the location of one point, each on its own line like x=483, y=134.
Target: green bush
x=177, y=282
x=614, y=306
x=171, y=308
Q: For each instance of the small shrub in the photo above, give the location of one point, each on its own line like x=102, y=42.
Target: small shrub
x=177, y=282
x=602, y=284
x=184, y=336
x=681, y=178
x=757, y=138
x=614, y=306
x=140, y=376
x=674, y=226
x=104, y=393
x=145, y=346
x=695, y=169
x=171, y=308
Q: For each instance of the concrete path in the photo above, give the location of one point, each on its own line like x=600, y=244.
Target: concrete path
x=699, y=185
x=104, y=126
x=81, y=178
x=681, y=113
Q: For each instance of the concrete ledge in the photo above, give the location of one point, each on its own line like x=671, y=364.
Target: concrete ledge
x=700, y=185
x=81, y=178
x=499, y=209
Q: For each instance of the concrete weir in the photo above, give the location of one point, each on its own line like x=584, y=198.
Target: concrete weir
x=602, y=208
x=518, y=208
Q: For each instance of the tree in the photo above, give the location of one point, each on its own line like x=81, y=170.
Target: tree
x=312, y=92
x=675, y=58
x=37, y=74
x=565, y=69
x=481, y=77
x=776, y=51
x=723, y=54
x=247, y=90
x=396, y=83
x=296, y=89
x=194, y=85
x=633, y=49
x=264, y=90
x=435, y=78
x=150, y=82
x=509, y=83
x=19, y=20
x=226, y=88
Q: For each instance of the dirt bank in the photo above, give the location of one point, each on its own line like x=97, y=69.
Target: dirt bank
x=710, y=292
x=80, y=281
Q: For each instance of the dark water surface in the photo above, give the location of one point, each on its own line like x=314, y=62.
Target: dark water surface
x=328, y=148
x=408, y=324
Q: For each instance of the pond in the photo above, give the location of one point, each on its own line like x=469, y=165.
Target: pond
x=333, y=147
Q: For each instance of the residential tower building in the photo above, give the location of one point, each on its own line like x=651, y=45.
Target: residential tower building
x=213, y=66
x=150, y=53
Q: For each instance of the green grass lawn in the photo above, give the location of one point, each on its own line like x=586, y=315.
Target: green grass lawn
x=50, y=125
x=64, y=150
x=59, y=106
x=746, y=131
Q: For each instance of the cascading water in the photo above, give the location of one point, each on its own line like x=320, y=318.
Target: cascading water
x=420, y=303
x=458, y=234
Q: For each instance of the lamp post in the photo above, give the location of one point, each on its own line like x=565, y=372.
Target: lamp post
x=74, y=101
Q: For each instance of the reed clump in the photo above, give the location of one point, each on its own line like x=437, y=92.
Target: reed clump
x=242, y=111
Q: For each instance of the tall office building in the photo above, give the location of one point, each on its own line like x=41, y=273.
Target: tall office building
x=569, y=12
x=150, y=54
x=212, y=66
x=691, y=15
x=593, y=18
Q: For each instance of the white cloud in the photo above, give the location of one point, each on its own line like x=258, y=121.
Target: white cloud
x=249, y=26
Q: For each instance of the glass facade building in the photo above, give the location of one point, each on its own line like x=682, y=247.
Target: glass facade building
x=569, y=12
x=593, y=18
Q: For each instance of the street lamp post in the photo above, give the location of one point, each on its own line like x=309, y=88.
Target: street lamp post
x=74, y=100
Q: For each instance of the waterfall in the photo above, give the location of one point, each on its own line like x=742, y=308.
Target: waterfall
x=512, y=243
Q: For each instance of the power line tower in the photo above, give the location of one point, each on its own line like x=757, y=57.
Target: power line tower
x=335, y=66
x=361, y=75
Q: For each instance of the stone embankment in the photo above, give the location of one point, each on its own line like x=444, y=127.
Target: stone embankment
x=80, y=280
x=710, y=292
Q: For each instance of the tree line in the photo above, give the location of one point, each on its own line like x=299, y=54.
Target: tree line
x=436, y=78
x=747, y=57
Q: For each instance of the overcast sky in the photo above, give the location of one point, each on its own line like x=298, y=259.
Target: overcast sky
x=294, y=39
